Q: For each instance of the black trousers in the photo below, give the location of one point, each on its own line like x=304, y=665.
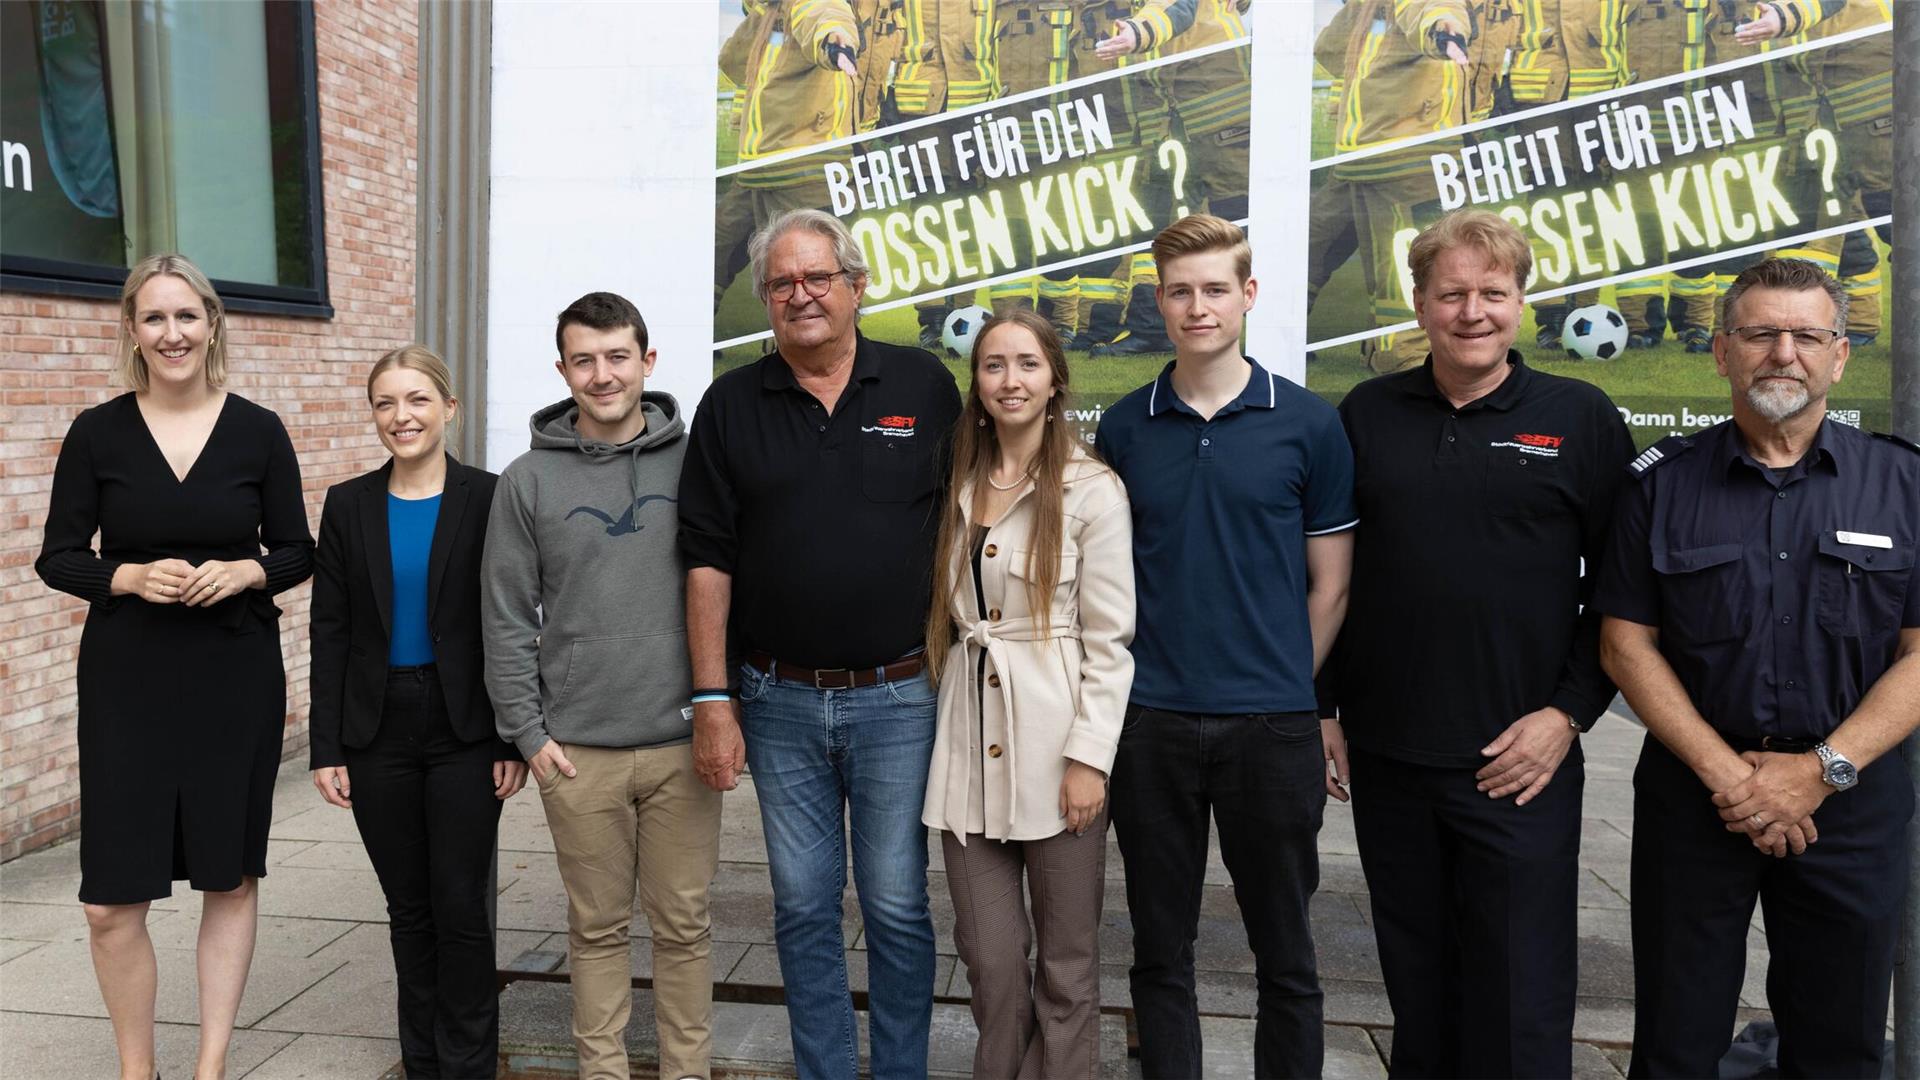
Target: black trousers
x=1260, y=777
x=424, y=803
x=1475, y=912
x=1832, y=919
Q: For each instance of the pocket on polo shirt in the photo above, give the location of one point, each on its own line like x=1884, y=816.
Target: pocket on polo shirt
x=1702, y=593
x=895, y=470
x=1862, y=587
x=1524, y=486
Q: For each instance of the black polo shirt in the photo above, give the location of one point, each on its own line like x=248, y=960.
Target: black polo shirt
x=1779, y=596
x=1465, y=612
x=827, y=523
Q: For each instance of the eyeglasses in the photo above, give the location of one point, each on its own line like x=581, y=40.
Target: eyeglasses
x=1807, y=340
x=817, y=285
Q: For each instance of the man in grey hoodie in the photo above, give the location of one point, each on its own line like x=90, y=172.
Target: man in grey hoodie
x=585, y=629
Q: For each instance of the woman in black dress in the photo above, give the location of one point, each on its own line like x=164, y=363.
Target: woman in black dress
x=196, y=495
x=402, y=730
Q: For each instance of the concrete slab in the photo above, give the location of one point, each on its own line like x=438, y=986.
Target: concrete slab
x=535, y=1030
x=1605, y=950
x=1603, y=1020
x=48, y=876
x=1342, y=874
x=1356, y=1001
x=329, y=855
x=319, y=821
x=523, y=823
x=1604, y=885
x=329, y=1057
x=279, y=851
x=1601, y=844
x=58, y=978
x=276, y=935
x=1226, y=993
x=357, y=997
x=759, y=965
x=36, y=1046
x=10, y=948
x=1350, y=1054
x=304, y=893
x=53, y=922
x=1591, y=1063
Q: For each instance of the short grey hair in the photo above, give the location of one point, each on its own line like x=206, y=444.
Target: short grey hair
x=846, y=250
x=1793, y=275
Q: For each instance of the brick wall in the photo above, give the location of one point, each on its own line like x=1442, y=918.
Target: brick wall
x=56, y=352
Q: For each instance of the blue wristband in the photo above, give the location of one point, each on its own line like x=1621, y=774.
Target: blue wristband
x=700, y=698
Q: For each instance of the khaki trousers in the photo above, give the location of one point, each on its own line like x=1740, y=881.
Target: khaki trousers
x=1043, y=1023
x=637, y=818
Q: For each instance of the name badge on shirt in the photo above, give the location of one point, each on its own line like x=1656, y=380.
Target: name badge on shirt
x=1872, y=540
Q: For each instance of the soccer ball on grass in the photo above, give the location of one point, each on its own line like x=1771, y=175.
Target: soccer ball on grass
x=961, y=326
x=1595, y=332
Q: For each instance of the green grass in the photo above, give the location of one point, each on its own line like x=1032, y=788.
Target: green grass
x=1660, y=381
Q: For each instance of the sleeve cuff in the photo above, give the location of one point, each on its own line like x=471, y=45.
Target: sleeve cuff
x=530, y=742
x=1090, y=749
x=1583, y=712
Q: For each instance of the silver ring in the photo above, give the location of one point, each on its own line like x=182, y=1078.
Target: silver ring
x=1757, y=820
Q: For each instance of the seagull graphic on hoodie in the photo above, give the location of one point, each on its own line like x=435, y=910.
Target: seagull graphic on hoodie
x=625, y=525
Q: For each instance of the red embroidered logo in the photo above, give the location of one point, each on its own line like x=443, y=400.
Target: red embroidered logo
x=893, y=427
x=1540, y=440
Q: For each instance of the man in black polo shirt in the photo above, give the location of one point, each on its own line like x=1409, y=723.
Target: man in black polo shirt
x=1242, y=491
x=1466, y=668
x=1761, y=597
x=808, y=511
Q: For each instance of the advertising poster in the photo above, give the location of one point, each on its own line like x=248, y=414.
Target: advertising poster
x=1649, y=149
x=985, y=154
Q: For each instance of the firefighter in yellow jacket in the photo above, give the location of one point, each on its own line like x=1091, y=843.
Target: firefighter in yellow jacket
x=1847, y=88
x=1672, y=37
x=797, y=71
x=946, y=62
x=1033, y=49
x=1408, y=76
x=1209, y=101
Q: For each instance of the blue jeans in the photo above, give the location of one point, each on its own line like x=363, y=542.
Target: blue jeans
x=818, y=757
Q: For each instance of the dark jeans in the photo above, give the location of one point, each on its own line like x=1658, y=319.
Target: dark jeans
x=1261, y=778
x=1832, y=915
x=424, y=803
x=1474, y=909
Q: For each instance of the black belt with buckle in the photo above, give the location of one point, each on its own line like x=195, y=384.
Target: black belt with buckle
x=1773, y=744
x=838, y=678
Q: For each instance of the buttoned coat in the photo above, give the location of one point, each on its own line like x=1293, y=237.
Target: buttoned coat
x=1055, y=683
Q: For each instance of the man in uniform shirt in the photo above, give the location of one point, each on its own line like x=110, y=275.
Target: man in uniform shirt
x=1762, y=615
x=1242, y=491
x=1483, y=486
x=808, y=511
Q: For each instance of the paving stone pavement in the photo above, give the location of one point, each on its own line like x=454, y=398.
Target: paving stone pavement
x=320, y=1002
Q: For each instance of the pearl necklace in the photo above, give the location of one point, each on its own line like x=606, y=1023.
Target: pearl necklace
x=1009, y=487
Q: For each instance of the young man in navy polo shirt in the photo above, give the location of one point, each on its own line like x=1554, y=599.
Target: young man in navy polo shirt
x=1242, y=491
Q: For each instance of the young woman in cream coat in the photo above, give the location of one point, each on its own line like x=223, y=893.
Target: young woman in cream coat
x=1033, y=606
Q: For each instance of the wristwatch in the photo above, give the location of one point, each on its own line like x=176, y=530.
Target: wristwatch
x=1835, y=769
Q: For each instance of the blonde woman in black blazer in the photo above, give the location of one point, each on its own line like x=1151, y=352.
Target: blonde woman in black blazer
x=402, y=731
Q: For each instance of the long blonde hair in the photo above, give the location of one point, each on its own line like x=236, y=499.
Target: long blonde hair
x=129, y=367
x=976, y=445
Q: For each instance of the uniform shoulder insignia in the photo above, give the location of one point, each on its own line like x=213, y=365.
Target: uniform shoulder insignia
x=1659, y=454
x=1896, y=440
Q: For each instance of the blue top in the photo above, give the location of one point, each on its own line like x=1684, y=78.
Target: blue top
x=1779, y=597
x=409, y=540
x=1222, y=509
